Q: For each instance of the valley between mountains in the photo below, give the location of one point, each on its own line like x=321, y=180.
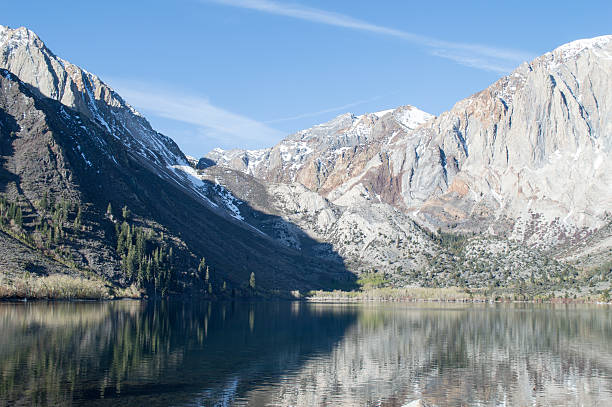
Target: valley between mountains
x=509, y=193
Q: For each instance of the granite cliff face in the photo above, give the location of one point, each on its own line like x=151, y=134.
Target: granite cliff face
x=24, y=54
x=533, y=144
x=324, y=156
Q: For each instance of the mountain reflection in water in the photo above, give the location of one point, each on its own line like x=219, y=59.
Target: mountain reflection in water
x=290, y=353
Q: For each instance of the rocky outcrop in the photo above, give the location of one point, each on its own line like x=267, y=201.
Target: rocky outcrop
x=325, y=156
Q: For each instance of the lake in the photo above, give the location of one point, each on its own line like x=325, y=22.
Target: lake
x=130, y=353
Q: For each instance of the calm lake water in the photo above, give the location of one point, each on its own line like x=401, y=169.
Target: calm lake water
x=129, y=353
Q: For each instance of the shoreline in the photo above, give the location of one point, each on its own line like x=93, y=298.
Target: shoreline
x=566, y=301
x=61, y=287
x=311, y=300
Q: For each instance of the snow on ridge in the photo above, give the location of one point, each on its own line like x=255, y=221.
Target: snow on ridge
x=252, y=158
x=190, y=175
x=15, y=36
x=411, y=117
x=99, y=108
x=571, y=49
x=586, y=43
x=382, y=113
x=229, y=200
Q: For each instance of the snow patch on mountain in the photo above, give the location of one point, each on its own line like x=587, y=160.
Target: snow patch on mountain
x=229, y=200
x=319, y=146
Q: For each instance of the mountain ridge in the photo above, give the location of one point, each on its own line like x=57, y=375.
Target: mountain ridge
x=495, y=164
x=488, y=107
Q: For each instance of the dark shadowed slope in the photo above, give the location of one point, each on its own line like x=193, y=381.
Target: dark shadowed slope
x=56, y=162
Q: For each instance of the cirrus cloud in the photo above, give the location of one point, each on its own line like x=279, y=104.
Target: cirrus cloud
x=500, y=60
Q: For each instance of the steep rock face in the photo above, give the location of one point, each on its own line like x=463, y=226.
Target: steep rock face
x=535, y=142
x=364, y=237
x=368, y=235
x=524, y=159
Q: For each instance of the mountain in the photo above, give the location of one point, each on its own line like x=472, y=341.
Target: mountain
x=480, y=196
x=74, y=153
x=520, y=167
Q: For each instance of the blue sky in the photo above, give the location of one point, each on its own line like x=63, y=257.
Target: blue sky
x=246, y=73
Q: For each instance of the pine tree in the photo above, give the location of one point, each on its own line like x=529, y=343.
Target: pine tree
x=44, y=202
x=141, y=270
x=210, y=288
x=130, y=260
x=11, y=211
x=140, y=244
x=125, y=213
x=148, y=271
x=252, y=281
x=18, y=217
x=123, y=239
x=202, y=266
x=79, y=218
x=224, y=287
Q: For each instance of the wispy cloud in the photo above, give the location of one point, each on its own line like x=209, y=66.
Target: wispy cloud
x=342, y=108
x=473, y=55
x=211, y=122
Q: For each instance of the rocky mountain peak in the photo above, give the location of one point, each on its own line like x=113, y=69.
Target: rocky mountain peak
x=319, y=156
x=14, y=37
x=24, y=54
x=572, y=49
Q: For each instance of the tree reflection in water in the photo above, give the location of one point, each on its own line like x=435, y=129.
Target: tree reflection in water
x=284, y=353
x=158, y=353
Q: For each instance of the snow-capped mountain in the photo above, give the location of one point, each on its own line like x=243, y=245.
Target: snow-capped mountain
x=503, y=149
x=317, y=156
x=25, y=55
x=518, y=170
x=529, y=149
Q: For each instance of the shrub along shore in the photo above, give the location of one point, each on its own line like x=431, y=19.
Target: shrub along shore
x=447, y=294
x=60, y=287
x=70, y=287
